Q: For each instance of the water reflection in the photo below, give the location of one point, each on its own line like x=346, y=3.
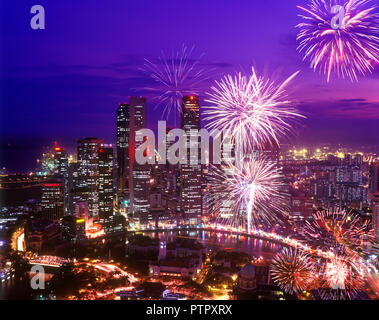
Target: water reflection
x=213, y=239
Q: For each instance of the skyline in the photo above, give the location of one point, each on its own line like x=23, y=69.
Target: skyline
x=67, y=76
x=200, y=150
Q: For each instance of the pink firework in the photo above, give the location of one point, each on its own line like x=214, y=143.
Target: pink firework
x=252, y=110
x=344, y=273
x=338, y=229
x=248, y=195
x=348, y=48
x=337, y=273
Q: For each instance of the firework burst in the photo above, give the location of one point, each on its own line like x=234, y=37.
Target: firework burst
x=336, y=273
x=252, y=110
x=338, y=229
x=248, y=195
x=349, y=49
x=341, y=273
x=292, y=270
x=175, y=76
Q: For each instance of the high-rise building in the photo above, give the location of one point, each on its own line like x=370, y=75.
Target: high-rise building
x=139, y=175
x=374, y=197
x=191, y=173
x=52, y=201
x=123, y=140
x=61, y=172
x=132, y=178
x=76, y=194
x=358, y=160
x=106, y=191
x=88, y=174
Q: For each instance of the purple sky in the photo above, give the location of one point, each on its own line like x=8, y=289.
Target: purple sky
x=65, y=82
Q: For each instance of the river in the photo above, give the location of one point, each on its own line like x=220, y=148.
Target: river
x=213, y=239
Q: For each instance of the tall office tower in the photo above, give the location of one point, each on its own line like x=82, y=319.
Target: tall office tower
x=191, y=174
x=123, y=138
x=358, y=160
x=374, y=198
x=348, y=160
x=61, y=172
x=270, y=152
x=139, y=175
x=88, y=175
x=76, y=194
x=106, y=192
x=52, y=201
x=228, y=159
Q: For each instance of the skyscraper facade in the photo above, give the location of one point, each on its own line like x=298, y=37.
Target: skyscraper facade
x=61, y=172
x=139, y=175
x=123, y=140
x=88, y=175
x=106, y=191
x=52, y=201
x=374, y=198
x=191, y=173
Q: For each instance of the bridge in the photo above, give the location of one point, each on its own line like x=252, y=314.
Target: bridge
x=48, y=261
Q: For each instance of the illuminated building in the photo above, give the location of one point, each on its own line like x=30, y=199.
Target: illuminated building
x=139, y=175
x=75, y=192
x=88, y=174
x=106, y=192
x=42, y=235
x=191, y=174
x=81, y=214
x=374, y=197
x=61, y=171
x=302, y=206
x=123, y=144
x=358, y=160
x=181, y=258
x=254, y=283
x=52, y=201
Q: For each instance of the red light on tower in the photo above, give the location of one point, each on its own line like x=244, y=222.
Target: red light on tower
x=191, y=97
x=101, y=150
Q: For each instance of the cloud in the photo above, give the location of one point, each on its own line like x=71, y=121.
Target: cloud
x=358, y=108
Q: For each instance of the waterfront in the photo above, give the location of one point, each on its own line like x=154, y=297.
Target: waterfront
x=215, y=239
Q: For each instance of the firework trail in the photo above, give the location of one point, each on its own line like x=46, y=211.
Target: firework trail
x=292, y=270
x=252, y=110
x=248, y=195
x=175, y=76
x=348, y=50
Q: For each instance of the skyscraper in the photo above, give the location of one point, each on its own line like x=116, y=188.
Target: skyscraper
x=374, y=198
x=88, y=175
x=123, y=140
x=61, y=172
x=191, y=174
x=52, y=201
x=139, y=175
x=106, y=192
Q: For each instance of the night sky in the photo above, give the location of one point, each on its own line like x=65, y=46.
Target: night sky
x=65, y=82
